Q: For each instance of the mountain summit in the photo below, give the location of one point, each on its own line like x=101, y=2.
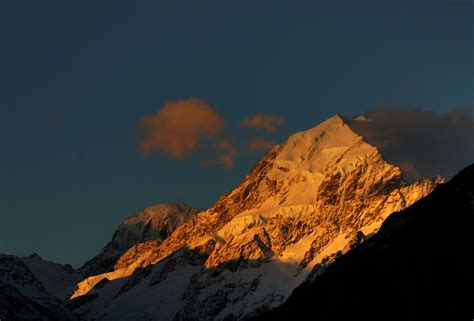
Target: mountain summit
x=308, y=200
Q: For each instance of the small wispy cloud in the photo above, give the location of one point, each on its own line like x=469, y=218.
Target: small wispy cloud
x=269, y=123
x=259, y=144
x=228, y=153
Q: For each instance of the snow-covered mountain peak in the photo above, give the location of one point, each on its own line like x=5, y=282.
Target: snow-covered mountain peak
x=157, y=221
x=292, y=172
x=315, y=146
x=312, y=150
x=316, y=195
x=152, y=223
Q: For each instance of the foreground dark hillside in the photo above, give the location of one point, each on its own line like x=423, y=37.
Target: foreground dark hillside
x=418, y=267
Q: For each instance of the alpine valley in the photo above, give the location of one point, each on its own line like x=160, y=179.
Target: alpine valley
x=306, y=203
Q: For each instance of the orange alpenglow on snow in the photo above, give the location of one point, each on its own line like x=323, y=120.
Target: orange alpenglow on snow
x=309, y=199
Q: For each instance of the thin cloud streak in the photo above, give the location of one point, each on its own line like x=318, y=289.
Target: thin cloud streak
x=259, y=144
x=228, y=153
x=269, y=123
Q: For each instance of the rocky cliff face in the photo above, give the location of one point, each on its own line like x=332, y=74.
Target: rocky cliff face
x=152, y=223
x=23, y=296
x=310, y=199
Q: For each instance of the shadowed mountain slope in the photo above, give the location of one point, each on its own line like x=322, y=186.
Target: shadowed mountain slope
x=23, y=297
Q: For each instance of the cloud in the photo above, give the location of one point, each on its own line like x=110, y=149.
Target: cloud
x=179, y=127
x=421, y=142
x=55, y=119
x=228, y=153
x=258, y=144
x=265, y=122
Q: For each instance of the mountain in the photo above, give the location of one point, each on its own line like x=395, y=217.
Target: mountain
x=417, y=267
x=58, y=280
x=23, y=297
x=153, y=223
x=32, y=288
x=307, y=201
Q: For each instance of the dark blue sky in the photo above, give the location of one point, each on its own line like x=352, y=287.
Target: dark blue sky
x=76, y=77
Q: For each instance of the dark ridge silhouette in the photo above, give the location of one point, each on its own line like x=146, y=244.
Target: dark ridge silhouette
x=418, y=267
